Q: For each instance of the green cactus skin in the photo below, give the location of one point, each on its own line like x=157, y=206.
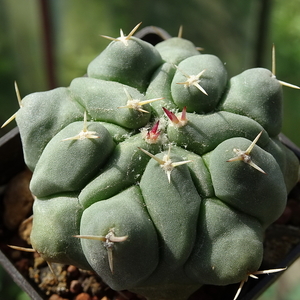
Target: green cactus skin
x=287, y=161
x=222, y=253
x=176, y=49
x=132, y=65
x=198, y=170
x=158, y=196
x=221, y=125
x=160, y=87
x=247, y=197
x=213, y=81
x=264, y=106
x=112, y=95
x=182, y=203
x=56, y=109
x=134, y=259
x=66, y=213
x=76, y=162
x=123, y=169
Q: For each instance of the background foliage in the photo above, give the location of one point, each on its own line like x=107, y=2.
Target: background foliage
x=241, y=33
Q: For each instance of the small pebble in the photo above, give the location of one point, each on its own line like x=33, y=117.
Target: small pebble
x=75, y=287
x=56, y=297
x=83, y=296
x=73, y=271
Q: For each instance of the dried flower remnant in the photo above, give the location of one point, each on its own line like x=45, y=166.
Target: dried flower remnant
x=177, y=122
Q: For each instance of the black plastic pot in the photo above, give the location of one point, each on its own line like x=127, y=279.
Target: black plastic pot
x=12, y=162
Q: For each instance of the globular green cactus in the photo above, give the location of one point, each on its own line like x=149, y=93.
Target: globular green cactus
x=155, y=170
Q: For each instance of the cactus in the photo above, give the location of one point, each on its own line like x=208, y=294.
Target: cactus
x=155, y=170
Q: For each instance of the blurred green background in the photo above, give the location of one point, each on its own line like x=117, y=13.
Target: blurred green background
x=40, y=55
x=45, y=44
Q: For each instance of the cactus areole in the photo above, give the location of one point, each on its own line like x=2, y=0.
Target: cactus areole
x=155, y=170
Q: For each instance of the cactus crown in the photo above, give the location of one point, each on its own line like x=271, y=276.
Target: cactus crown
x=155, y=170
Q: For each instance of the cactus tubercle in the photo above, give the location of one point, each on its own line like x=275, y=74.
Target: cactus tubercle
x=109, y=239
x=245, y=155
x=124, y=38
x=166, y=163
x=192, y=80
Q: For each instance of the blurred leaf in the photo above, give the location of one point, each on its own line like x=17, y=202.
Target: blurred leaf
x=8, y=289
x=285, y=33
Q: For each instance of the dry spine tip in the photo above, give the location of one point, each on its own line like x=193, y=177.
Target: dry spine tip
x=253, y=275
x=123, y=38
x=20, y=104
x=274, y=71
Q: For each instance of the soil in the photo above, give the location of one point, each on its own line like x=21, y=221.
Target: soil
x=72, y=283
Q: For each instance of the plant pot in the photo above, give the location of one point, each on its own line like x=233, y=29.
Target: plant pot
x=12, y=163
x=284, y=233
